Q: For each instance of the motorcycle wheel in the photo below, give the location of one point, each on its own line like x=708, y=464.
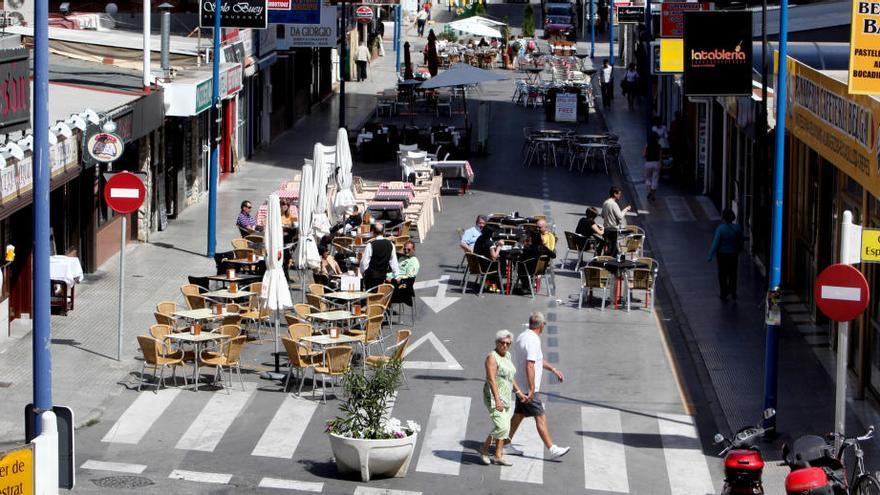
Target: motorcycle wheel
x=866, y=485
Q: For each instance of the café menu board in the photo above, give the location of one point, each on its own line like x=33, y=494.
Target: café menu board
x=15, y=92
x=864, y=48
x=718, y=53
x=235, y=13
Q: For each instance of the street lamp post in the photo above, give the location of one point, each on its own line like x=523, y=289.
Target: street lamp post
x=771, y=351
x=611, y=32
x=592, y=31
x=343, y=60
x=215, y=137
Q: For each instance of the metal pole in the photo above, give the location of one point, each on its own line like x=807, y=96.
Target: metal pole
x=148, y=79
x=119, y=328
x=42, y=379
x=765, y=124
x=649, y=79
x=611, y=33
x=771, y=352
x=213, y=173
x=842, y=343
x=397, y=33
x=343, y=67
x=592, y=31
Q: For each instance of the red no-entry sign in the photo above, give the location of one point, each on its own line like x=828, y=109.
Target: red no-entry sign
x=364, y=14
x=841, y=292
x=124, y=192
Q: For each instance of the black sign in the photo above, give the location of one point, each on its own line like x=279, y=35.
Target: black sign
x=15, y=91
x=718, y=53
x=627, y=14
x=235, y=13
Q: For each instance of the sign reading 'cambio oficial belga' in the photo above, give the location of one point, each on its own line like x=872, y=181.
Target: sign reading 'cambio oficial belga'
x=864, y=55
x=718, y=53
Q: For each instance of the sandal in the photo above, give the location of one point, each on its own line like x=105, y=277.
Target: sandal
x=502, y=461
x=484, y=458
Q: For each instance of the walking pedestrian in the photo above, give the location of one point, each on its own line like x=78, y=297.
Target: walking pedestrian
x=606, y=81
x=652, y=165
x=421, y=19
x=362, y=57
x=613, y=218
x=726, y=245
x=498, y=394
x=631, y=84
x=379, y=258
x=529, y=362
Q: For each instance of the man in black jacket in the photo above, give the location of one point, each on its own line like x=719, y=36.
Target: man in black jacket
x=379, y=259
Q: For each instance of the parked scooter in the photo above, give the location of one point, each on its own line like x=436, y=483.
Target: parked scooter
x=743, y=464
x=816, y=469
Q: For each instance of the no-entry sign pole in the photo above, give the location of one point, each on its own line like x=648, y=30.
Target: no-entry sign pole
x=124, y=193
x=842, y=294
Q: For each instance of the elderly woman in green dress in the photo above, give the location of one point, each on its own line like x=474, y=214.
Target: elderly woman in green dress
x=498, y=396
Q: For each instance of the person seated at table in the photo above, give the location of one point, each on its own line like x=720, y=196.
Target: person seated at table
x=247, y=224
x=470, y=236
x=530, y=245
x=485, y=246
x=592, y=231
x=408, y=264
x=324, y=275
x=548, y=239
x=470, y=44
x=287, y=217
x=483, y=43
x=352, y=222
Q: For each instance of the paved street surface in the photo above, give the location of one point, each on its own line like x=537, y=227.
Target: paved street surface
x=644, y=390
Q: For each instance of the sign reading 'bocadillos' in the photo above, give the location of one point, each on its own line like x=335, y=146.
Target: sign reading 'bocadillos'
x=234, y=13
x=718, y=53
x=864, y=55
x=15, y=91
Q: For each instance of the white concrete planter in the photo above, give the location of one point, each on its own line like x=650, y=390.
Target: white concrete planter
x=373, y=457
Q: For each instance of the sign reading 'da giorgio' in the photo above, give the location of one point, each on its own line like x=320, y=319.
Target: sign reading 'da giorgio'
x=718, y=53
x=15, y=93
x=864, y=48
x=234, y=13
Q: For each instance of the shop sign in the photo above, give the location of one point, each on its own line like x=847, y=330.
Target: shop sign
x=298, y=12
x=124, y=126
x=617, y=6
x=566, y=107
x=25, y=169
x=8, y=183
x=864, y=48
x=672, y=17
x=203, y=96
x=17, y=471
x=64, y=155
x=15, y=111
x=671, y=55
x=230, y=81
x=870, y=246
x=718, y=53
x=841, y=127
x=105, y=147
x=234, y=13
x=322, y=35
x=363, y=14
x=279, y=4
x=630, y=14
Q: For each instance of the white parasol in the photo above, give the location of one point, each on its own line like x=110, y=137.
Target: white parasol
x=275, y=290
x=475, y=27
x=344, y=196
x=307, y=250
x=320, y=220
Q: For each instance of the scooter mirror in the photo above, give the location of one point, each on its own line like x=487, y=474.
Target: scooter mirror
x=769, y=413
x=719, y=438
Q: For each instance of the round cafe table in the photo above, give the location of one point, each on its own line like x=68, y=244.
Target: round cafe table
x=618, y=268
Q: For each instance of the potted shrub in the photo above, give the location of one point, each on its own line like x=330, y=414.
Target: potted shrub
x=363, y=438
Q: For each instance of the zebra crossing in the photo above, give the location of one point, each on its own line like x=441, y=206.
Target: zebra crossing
x=604, y=446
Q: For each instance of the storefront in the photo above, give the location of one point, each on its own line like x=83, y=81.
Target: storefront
x=833, y=167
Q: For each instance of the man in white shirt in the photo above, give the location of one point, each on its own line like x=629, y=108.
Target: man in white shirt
x=362, y=57
x=606, y=75
x=529, y=360
x=421, y=20
x=613, y=217
x=471, y=235
x=379, y=259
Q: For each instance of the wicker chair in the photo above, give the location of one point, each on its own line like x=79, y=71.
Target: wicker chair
x=229, y=356
x=153, y=358
x=594, y=277
x=336, y=361
x=300, y=358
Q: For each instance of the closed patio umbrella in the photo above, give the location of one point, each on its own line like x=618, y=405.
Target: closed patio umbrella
x=344, y=196
x=275, y=290
x=407, y=62
x=307, y=249
x=433, y=63
x=322, y=158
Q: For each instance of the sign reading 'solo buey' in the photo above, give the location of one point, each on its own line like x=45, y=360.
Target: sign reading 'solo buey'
x=864, y=54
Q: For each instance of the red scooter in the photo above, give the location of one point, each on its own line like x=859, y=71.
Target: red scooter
x=743, y=464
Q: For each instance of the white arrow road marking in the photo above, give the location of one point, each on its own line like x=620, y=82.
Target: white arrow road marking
x=841, y=293
x=449, y=362
x=122, y=192
x=439, y=302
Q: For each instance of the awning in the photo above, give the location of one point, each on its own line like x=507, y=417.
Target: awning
x=189, y=93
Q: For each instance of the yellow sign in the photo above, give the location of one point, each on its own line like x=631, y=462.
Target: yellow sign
x=871, y=245
x=671, y=55
x=17, y=471
x=864, y=48
x=841, y=127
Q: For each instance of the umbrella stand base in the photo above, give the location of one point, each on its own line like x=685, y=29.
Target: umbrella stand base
x=268, y=375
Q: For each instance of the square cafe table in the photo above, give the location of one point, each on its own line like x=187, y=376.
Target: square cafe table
x=335, y=316
x=238, y=278
x=348, y=297
x=197, y=341
x=206, y=314
x=225, y=294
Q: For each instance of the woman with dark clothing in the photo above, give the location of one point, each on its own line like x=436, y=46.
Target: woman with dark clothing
x=594, y=232
x=726, y=245
x=485, y=246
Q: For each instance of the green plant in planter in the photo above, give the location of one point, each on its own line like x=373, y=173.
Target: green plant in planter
x=365, y=404
x=528, y=23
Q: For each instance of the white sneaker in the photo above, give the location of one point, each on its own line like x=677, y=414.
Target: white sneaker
x=510, y=449
x=556, y=451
